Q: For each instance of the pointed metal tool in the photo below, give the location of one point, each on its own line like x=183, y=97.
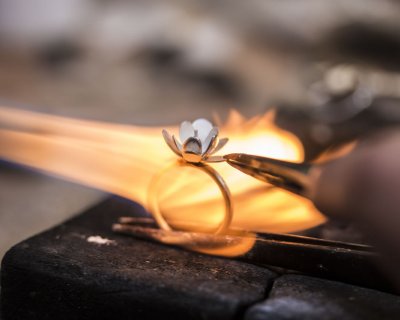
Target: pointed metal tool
x=294, y=177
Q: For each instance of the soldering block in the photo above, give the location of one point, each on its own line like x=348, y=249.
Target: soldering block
x=82, y=270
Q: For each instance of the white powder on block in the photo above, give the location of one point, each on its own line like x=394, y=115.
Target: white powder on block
x=100, y=240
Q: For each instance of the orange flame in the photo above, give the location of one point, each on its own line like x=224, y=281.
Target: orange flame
x=122, y=160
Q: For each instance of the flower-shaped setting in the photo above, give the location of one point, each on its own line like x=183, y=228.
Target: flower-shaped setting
x=198, y=141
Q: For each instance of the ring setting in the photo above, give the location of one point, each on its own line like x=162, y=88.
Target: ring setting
x=198, y=143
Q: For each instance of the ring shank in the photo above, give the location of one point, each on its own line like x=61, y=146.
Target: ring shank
x=153, y=203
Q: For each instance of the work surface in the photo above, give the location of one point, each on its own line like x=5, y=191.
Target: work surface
x=70, y=273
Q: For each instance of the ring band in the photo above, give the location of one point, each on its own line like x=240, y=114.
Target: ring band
x=153, y=203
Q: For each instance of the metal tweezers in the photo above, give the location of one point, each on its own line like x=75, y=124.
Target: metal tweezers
x=352, y=263
x=290, y=176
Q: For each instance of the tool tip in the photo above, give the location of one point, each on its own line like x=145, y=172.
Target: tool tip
x=232, y=156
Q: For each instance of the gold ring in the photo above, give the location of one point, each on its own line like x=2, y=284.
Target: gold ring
x=199, y=142
x=153, y=201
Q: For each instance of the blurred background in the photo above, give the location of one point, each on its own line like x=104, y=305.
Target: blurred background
x=329, y=68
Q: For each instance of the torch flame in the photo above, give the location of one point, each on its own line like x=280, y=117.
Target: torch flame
x=122, y=160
